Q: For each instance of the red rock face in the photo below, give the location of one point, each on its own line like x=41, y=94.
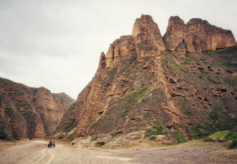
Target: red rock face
x=196, y=36
x=30, y=112
x=140, y=88
x=147, y=37
x=124, y=46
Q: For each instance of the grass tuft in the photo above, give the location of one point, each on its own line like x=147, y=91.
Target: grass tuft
x=220, y=135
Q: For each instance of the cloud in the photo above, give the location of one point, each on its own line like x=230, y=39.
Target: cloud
x=57, y=43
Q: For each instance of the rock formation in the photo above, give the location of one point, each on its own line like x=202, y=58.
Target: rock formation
x=196, y=36
x=29, y=112
x=147, y=37
x=141, y=91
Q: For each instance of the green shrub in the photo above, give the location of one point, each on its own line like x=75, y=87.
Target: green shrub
x=155, y=128
x=214, y=113
x=232, y=134
x=153, y=137
x=179, y=136
x=60, y=137
x=3, y=135
x=202, y=130
x=233, y=144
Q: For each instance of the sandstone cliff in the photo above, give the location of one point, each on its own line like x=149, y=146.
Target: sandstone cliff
x=196, y=36
x=29, y=112
x=142, y=91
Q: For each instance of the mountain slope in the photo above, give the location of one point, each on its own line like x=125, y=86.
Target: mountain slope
x=144, y=89
x=29, y=112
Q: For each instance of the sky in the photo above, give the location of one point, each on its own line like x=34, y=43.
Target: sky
x=57, y=43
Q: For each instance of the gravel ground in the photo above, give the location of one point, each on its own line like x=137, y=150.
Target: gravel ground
x=36, y=152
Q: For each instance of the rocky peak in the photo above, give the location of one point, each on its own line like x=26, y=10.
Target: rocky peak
x=175, y=22
x=196, y=36
x=102, y=63
x=174, y=36
x=147, y=37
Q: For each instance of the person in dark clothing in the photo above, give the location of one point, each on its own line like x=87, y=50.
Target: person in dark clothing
x=50, y=144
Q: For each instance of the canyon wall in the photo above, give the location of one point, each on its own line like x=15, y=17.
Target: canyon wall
x=29, y=112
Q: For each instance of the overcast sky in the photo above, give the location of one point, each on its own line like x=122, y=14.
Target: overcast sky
x=57, y=43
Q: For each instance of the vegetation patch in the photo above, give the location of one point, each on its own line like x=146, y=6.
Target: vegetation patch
x=233, y=144
x=175, y=65
x=220, y=135
x=213, y=81
x=229, y=64
x=3, y=135
x=60, y=137
x=200, y=77
x=232, y=135
x=130, y=100
x=202, y=71
x=179, y=136
x=156, y=128
x=69, y=126
x=9, y=112
x=187, y=60
x=219, y=120
x=187, y=112
x=227, y=50
x=202, y=130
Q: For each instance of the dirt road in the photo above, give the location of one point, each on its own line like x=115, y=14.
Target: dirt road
x=36, y=152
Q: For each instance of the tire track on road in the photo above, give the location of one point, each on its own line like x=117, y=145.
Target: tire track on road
x=47, y=157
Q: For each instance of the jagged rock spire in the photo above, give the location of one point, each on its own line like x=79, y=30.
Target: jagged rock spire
x=147, y=37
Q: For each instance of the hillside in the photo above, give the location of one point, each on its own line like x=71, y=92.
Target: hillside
x=29, y=112
x=169, y=89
